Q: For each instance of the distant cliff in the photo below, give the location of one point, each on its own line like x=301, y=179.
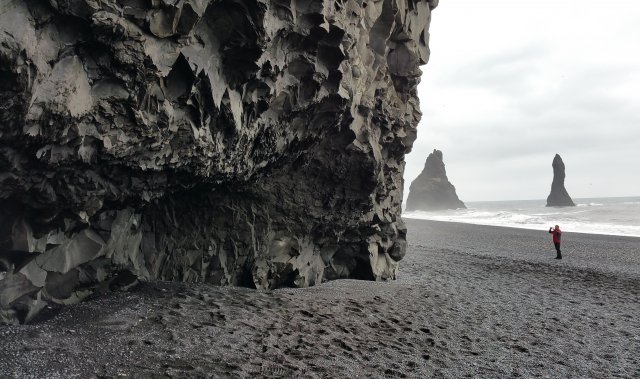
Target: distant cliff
x=559, y=197
x=431, y=190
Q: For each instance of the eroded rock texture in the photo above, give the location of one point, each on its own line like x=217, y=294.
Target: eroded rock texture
x=431, y=190
x=237, y=142
x=559, y=197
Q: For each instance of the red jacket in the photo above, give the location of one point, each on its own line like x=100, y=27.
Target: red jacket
x=557, y=235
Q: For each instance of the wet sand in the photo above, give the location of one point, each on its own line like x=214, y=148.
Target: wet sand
x=470, y=301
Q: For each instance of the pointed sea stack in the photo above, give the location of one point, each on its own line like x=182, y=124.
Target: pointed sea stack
x=559, y=197
x=431, y=190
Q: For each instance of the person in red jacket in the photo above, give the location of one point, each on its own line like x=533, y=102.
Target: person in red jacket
x=557, y=238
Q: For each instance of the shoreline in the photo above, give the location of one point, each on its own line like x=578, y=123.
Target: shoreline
x=618, y=216
x=520, y=227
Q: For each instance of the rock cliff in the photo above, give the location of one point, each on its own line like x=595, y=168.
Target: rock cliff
x=431, y=190
x=239, y=142
x=559, y=197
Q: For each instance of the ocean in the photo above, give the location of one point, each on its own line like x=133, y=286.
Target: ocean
x=611, y=215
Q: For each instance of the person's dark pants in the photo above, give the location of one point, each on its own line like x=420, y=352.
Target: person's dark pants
x=559, y=255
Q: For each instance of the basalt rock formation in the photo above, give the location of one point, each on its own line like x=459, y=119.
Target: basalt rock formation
x=236, y=142
x=559, y=197
x=431, y=190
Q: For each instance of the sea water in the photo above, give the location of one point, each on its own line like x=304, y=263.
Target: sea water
x=616, y=216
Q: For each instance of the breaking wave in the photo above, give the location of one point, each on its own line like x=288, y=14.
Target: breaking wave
x=604, y=216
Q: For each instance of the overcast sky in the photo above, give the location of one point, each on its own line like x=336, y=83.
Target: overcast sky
x=511, y=83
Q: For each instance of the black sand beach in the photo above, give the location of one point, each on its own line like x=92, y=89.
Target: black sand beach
x=470, y=301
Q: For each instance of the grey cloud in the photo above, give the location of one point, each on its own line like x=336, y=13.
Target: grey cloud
x=508, y=73
x=541, y=98
x=584, y=90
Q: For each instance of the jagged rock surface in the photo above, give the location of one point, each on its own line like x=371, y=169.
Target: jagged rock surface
x=241, y=142
x=431, y=190
x=559, y=197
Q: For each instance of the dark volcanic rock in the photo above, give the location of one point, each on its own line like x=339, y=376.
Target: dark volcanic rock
x=244, y=142
x=559, y=197
x=431, y=190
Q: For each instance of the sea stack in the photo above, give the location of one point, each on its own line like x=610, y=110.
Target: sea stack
x=431, y=190
x=258, y=143
x=559, y=197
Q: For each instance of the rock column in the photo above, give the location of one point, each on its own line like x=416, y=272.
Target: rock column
x=559, y=197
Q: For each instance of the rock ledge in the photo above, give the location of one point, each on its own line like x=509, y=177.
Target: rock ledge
x=244, y=142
